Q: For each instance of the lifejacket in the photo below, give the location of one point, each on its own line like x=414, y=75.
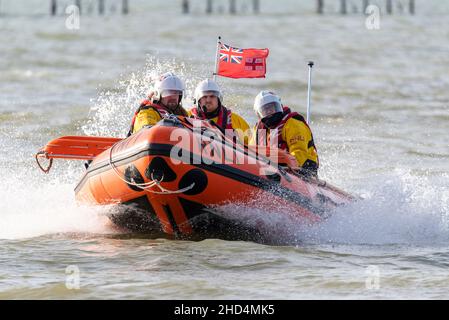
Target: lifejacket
x=224, y=117
x=148, y=104
x=263, y=140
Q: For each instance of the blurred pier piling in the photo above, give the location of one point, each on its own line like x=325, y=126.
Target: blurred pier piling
x=233, y=6
x=389, y=5
x=343, y=7
x=101, y=6
x=236, y=6
x=185, y=6
x=53, y=7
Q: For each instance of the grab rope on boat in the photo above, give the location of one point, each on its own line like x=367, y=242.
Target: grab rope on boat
x=43, y=154
x=147, y=185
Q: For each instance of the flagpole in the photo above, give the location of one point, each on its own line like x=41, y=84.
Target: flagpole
x=216, y=59
x=309, y=91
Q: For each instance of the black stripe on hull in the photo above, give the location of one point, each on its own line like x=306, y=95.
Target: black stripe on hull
x=171, y=218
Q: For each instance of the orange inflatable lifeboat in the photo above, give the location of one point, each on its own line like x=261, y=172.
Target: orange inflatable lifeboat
x=172, y=179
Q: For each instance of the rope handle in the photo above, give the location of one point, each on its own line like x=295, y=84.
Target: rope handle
x=43, y=154
x=146, y=185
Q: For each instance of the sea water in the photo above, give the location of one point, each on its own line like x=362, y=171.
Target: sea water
x=380, y=117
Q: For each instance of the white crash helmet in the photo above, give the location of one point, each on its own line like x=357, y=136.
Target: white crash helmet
x=168, y=84
x=207, y=87
x=267, y=103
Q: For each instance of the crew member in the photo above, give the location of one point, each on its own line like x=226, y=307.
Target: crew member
x=208, y=102
x=279, y=127
x=165, y=99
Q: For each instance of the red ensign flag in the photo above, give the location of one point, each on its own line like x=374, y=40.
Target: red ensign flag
x=241, y=63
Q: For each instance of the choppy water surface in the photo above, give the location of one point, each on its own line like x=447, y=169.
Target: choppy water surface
x=380, y=120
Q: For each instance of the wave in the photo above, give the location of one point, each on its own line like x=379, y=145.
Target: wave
x=398, y=208
x=35, y=207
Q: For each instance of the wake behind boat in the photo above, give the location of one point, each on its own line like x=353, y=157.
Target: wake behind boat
x=171, y=180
